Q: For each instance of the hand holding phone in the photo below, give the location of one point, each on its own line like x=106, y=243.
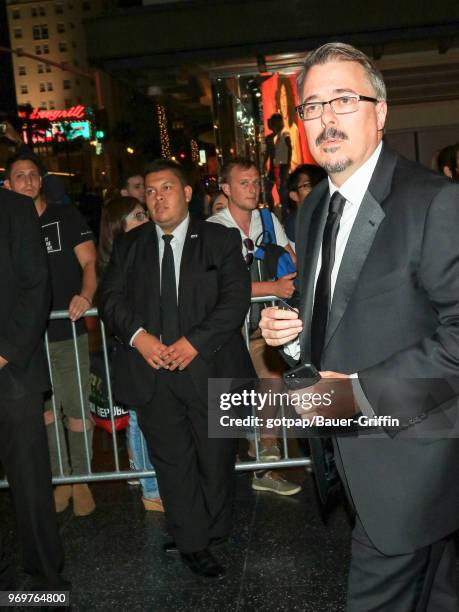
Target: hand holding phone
x=304, y=375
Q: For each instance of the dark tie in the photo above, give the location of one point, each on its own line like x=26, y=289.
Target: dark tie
x=169, y=308
x=322, y=448
x=322, y=296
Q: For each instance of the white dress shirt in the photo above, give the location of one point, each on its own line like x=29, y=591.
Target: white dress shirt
x=353, y=190
x=177, y=244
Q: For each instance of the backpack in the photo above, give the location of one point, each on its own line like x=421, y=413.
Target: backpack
x=273, y=260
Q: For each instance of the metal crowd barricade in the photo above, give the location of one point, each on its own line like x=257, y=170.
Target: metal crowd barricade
x=122, y=474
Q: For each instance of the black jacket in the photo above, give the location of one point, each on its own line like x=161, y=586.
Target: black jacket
x=214, y=297
x=25, y=297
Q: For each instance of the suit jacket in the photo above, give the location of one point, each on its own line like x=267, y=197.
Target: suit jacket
x=213, y=299
x=26, y=297
x=394, y=316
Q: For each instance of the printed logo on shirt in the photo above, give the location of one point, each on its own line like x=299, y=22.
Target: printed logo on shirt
x=52, y=237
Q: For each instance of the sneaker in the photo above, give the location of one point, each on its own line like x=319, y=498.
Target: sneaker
x=134, y=482
x=270, y=453
x=275, y=484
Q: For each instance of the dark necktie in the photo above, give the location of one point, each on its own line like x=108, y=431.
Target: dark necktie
x=169, y=307
x=322, y=296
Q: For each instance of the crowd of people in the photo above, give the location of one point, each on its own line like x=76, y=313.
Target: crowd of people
x=371, y=305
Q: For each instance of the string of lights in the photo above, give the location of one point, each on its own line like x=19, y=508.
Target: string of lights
x=163, y=133
x=194, y=151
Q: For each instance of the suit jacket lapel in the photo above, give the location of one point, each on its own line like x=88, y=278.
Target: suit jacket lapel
x=358, y=246
x=308, y=261
x=151, y=264
x=187, y=265
x=369, y=217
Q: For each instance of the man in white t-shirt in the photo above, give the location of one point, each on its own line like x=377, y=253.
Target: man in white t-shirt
x=240, y=182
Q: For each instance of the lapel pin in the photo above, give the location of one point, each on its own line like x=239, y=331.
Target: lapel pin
x=193, y=236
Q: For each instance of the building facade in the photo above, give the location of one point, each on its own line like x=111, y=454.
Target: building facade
x=52, y=32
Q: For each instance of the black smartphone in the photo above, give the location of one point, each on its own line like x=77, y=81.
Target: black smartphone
x=283, y=305
x=304, y=375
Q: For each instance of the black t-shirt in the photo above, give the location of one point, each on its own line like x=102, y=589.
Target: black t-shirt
x=64, y=228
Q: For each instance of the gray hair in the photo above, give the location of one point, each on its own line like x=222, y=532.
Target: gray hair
x=344, y=53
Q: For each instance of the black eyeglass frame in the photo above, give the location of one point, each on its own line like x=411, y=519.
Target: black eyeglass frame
x=300, y=108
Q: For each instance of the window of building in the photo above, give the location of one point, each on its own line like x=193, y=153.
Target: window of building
x=48, y=68
x=49, y=86
x=62, y=47
x=22, y=70
x=66, y=84
x=37, y=50
x=68, y=102
x=17, y=32
x=42, y=11
x=24, y=89
x=19, y=50
x=45, y=49
x=40, y=32
x=34, y=11
x=16, y=13
x=42, y=87
x=51, y=105
x=40, y=68
x=60, y=28
x=43, y=105
x=59, y=8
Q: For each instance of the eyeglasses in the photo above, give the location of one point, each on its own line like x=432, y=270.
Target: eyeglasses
x=248, y=244
x=340, y=106
x=303, y=186
x=138, y=215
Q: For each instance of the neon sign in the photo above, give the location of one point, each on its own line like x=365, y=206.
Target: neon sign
x=75, y=112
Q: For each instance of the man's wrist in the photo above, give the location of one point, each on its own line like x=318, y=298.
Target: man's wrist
x=85, y=298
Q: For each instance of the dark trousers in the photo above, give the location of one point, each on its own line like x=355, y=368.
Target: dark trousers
x=25, y=458
x=422, y=581
x=195, y=473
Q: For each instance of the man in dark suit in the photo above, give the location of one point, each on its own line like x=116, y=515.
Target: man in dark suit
x=24, y=310
x=175, y=294
x=378, y=259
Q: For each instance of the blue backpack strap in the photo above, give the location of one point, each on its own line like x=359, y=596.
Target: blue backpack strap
x=269, y=234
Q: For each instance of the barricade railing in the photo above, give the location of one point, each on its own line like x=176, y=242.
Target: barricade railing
x=123, y=474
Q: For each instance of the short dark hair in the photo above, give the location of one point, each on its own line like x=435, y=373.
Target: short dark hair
x=24, y=156
x=159, y=165
x=337, y=51
x=314, y=173
x=235, y=162
x=448, y=157
x=124, y=178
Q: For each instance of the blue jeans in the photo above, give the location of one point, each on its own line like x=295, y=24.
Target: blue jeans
x=140, y=457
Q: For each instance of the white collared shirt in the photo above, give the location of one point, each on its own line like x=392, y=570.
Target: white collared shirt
x=177, y=244
x=353, y=190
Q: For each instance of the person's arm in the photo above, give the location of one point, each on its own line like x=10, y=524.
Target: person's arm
x=30, y=267
x=417, y=379
x=233, y=302
x=86, y=254
x=282, y=287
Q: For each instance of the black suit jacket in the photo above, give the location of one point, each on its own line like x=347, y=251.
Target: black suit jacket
x=25, y=297
x=214, y=297
x=395, y=321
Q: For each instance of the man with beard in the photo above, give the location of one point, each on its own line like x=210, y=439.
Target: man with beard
x=378, y=263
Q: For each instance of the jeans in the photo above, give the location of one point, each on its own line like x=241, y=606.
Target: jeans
x=139, y=453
